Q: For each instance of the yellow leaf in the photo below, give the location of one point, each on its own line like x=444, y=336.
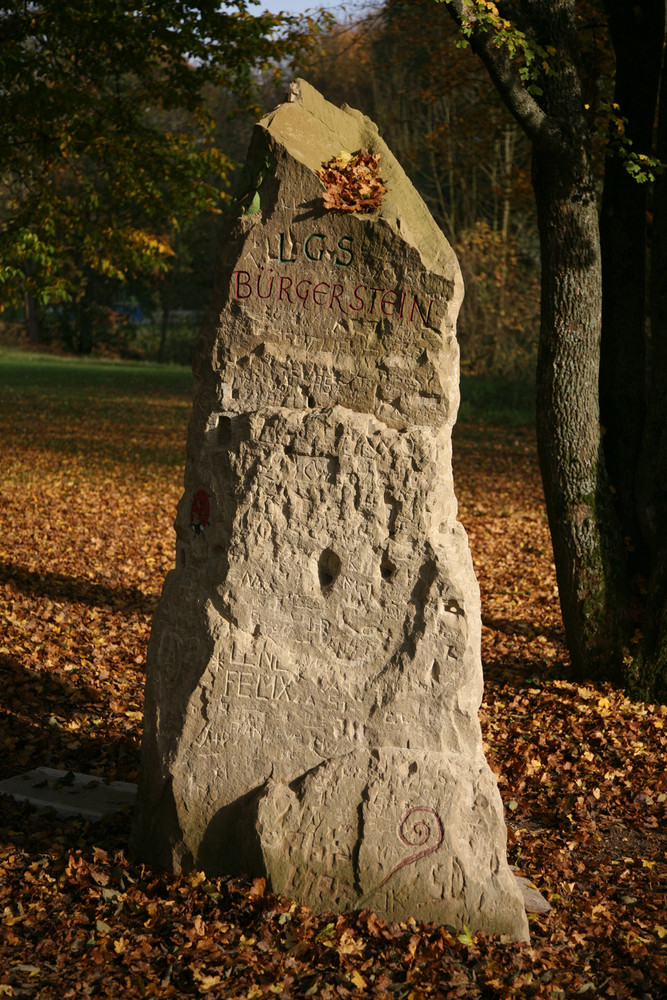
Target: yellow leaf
x=660, y=931
x=342, y=159
x=358, y=980
x=348, y=946
x=207, y=983
x=254, y=991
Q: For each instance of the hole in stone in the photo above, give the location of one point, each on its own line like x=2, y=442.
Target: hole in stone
x=412, y=768
x=311, y=402
x=387, y=568
x=435, y=671
x=328, y=568
x=224, y=432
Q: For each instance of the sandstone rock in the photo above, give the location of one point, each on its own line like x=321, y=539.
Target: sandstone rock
x=314, y=669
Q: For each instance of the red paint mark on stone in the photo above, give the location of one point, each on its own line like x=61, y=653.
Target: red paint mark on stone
x=418, y=834
x=200, y=511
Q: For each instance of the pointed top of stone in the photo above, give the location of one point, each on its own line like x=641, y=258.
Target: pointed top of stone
x=312, y=130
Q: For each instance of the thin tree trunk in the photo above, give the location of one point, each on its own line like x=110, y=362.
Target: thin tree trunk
x=647, y=674
x=637, y=32
x=588, y=551
x=164, y=328
x=32, y=320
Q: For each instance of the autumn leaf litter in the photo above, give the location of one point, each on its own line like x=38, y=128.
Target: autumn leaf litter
x=86, y=541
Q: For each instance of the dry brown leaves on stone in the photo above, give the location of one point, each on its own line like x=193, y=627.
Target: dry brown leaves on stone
x=352, y=182
x=86, y=540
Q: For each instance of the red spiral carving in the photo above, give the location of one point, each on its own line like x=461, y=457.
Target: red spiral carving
x=420, y=833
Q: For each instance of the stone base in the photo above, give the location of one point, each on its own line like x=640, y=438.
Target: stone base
x=405, y=833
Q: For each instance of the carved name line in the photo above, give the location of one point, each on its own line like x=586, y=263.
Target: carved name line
x=402, y=337
x=258, y=676
x=246, y=684
x=377, y=303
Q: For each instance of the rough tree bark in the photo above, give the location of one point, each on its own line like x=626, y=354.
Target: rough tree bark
x=587, y=543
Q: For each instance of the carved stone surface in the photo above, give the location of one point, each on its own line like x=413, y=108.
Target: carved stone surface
x=314, y=669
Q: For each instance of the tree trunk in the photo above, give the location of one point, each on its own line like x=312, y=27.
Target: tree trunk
x=647, y=674
x=588, y=545
x=32, y=320
x=164, y=327
x=581, y=518
x=637, y=32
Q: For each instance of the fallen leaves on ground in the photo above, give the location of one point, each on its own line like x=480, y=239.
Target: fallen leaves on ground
x=88, y=501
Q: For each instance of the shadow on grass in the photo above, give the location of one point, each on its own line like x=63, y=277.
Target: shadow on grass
x=59, y=587
x=35, y=709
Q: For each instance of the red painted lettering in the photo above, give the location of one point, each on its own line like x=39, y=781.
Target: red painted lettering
x=242, y=284
x=316, y=292
x=259, y=279
x=285, y=285
x=303, y=297
x=416, y=305
x=358, y=299
x=336, y=293
x=371, y=306
x=389, y=304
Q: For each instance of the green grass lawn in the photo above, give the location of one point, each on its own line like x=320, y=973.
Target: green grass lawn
x=115, y=413
x=96, y=385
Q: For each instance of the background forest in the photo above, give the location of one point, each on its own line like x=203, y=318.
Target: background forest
x=110, y=231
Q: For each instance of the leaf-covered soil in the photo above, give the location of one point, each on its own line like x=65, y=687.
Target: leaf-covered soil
x=91, y=474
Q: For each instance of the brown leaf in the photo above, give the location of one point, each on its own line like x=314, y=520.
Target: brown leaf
x=352, y=182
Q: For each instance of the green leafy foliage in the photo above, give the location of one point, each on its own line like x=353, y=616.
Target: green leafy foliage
x=108, y=141
x=483, y=17
x=642, y=167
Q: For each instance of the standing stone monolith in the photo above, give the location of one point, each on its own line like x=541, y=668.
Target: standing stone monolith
x=314, y=670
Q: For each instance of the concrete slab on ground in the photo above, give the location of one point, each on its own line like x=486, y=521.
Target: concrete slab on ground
x=70, y=793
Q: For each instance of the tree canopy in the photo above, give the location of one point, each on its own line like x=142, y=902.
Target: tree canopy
x=108, y=143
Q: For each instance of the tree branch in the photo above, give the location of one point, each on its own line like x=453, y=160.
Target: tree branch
x=537, y=125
